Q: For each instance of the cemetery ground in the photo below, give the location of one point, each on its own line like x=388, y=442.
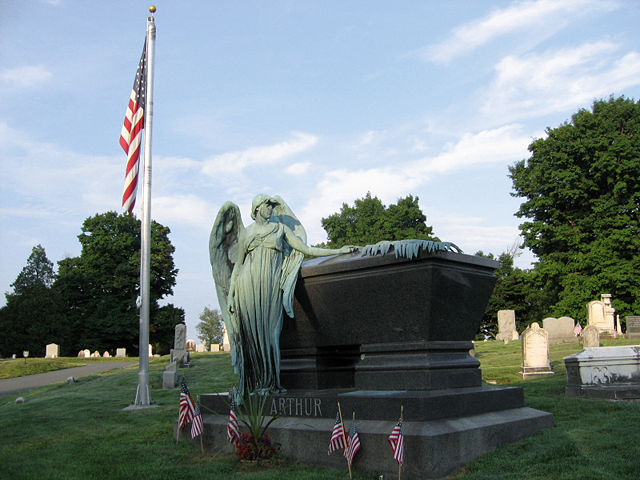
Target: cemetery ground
x=78, y=431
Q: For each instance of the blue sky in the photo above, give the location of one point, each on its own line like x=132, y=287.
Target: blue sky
x=318, y=102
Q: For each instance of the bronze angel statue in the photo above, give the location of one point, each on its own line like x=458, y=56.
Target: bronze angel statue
x=255, y=271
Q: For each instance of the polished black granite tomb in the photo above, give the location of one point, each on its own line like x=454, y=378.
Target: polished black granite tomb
x=386, y=323
x=378, y=334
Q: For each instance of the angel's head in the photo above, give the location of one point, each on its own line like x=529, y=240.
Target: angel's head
x=260, y=200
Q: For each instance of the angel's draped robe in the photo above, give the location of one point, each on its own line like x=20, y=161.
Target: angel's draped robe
x=258, y=305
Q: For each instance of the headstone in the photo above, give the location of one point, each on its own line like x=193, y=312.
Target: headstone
x=215, y=347
x=191, y=346
x=52, y=351
x=87, y=353
x=590, y=336
x=81, y=354
x=605, y=372
x=633, y=326
x=560, y=330
x=535, y=352
x=600, y=313
x=200, y=348
x=226, y=346
x=96, y=354
x=121, y=352
x=106, y=354
x=170, y=376
x=506, y=325
x=179, y=351
x=150, y=351
x=618, y=325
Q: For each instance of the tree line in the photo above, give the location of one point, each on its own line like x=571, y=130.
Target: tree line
x=90, y=303
x=581, y=218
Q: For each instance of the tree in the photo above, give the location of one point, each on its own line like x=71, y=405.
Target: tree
x=28, y=319
x=99, y=288
x=581, y=187
x=514, y=290
x=368, y=221
x=210, y=327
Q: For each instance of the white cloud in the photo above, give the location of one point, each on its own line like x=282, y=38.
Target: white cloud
x=184, y=209
x=499, y=145
x=25, y=77
x=233, y=162
x=558, y=80
x=541, y=17
x=299, y=168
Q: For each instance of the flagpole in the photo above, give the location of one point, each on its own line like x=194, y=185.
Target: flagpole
x=143, y=396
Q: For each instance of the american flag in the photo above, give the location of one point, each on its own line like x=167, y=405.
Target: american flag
x=337, y=436
x=396, y=440
x=353, y=444
x=196, y=424
x=132, y=132
x=233, y=431
x=187, y=406
x=577, y=330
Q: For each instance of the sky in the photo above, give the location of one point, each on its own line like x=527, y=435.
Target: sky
x=318, y=102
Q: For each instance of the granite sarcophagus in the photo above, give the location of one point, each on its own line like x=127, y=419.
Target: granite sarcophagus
x=386, y=323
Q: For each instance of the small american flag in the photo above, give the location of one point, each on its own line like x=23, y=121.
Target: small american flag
x=337, y=436
x=353, y=444
x=396, y=440
x=233, y=431
x=187, y=406
x=577, y=330
x=132, y=132
x=196, y=424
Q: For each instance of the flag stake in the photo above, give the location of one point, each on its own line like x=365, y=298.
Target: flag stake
x=400, y=464
x=344, y=436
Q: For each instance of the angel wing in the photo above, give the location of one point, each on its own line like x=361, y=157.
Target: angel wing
x=293, y=259
x=223, y=251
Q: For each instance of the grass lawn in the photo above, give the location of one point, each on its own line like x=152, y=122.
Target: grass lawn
x=79, y=431
x=10, y=368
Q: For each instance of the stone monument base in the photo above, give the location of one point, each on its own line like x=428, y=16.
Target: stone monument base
x=443, y=429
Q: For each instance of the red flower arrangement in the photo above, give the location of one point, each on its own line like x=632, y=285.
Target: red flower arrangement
x=247, y=448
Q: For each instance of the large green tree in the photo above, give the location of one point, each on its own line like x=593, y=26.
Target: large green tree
x=210, y=327
x=100, y=287
x=28, y=320
x=368, y=221
x=581, y=191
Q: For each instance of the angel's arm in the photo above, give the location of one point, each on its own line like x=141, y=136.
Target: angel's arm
x=299, y=245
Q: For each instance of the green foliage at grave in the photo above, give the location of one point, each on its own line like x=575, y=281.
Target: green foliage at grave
x=91, y=302
x=514, y=290
x=100, y=287
x=210, y=326
x=368, y=221
x=581, y=191
x=30, y=313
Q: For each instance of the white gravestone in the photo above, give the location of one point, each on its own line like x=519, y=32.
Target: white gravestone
x=191, y=345
x=226, y=346
x=52, y=351
x=96, y=354
x=121, y=352
x=535, y=352
x=200, y=348
x=215, y=347
x=150, y=351
x=87, y=353
x=605, y=372
x=590, y=336
x=106, y=354
x=560, y=330
x=600, y=313
x=507, y=325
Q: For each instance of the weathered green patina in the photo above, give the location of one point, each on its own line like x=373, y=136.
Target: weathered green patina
x=255, y=271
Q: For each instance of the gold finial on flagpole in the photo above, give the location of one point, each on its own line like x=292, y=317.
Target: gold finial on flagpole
x=152, y=9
